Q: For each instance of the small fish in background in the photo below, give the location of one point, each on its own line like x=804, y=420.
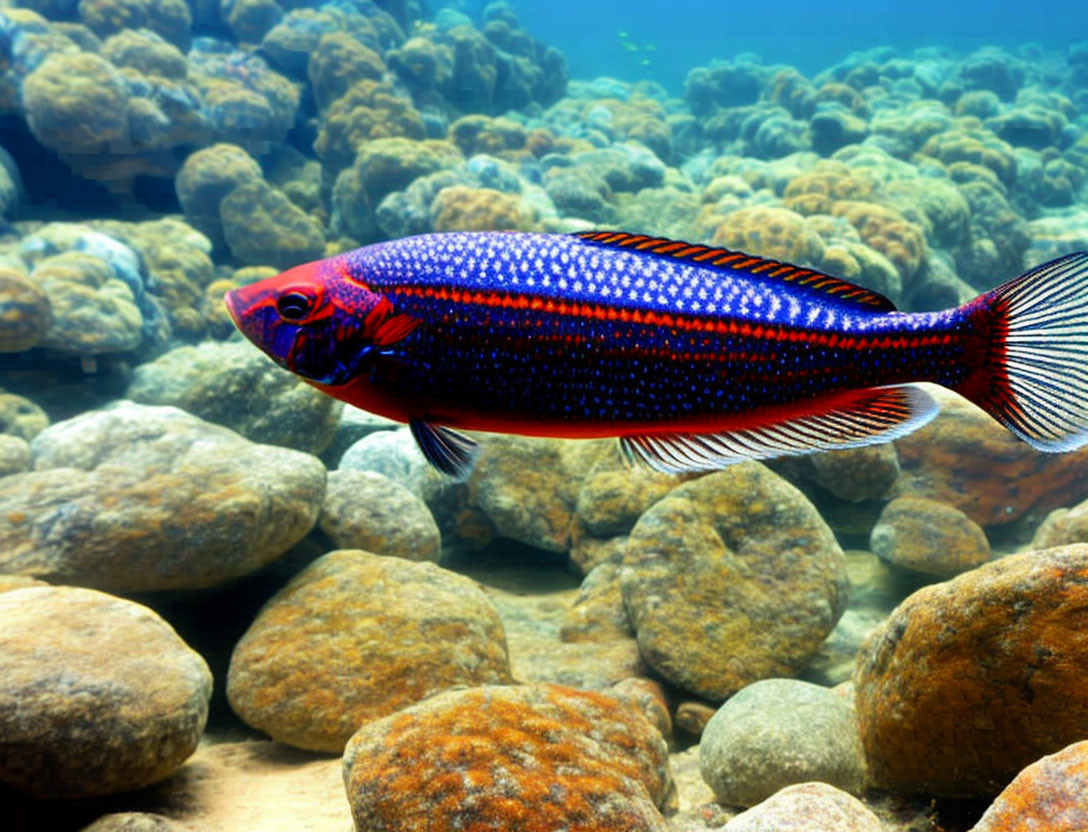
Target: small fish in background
x=695, y=357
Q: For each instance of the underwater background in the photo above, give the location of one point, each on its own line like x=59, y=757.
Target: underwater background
x=229, y=602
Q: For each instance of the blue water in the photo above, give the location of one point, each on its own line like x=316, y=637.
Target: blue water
x=807, y=35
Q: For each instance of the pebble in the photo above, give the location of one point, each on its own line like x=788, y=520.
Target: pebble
x=541, y=757
x=973, y=679
x=365, y=510
x=777, y=733
x=136, y=498
x=732, y=578
x=356, y=636
x=98, y=695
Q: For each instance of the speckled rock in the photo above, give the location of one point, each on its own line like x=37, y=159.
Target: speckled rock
x=365, y=510
x=133, y=498
x=1063, y=526
x=807, y=807
x=98, y=695
x=693, y=717
x=15, y=457
x=21, y=417
x=992, y=659
x=1051, y=794
x=731, y=578
x=777, y=733
x=648, y=697
x=356, y=636
x=524, y=488
x=967, y=460
x=236, y=385
x=25, y=313
x=540, y=757
x=929, y=537
x=136, y=822
x=263, y=227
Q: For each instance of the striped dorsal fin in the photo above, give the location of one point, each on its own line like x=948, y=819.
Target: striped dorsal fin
x=738, y=261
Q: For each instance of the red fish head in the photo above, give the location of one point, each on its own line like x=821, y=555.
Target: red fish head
x=313, y=320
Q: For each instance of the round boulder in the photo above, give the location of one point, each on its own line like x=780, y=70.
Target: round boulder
x=98, y=695
x=356, y=636
x=263, y=227
x=133, y=498
x=365, y=510
x=732, y=578
x=541, y=757
x=928, y=536
x=971, y=680
x=777, y=733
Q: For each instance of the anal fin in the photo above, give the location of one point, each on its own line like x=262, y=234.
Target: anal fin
x=874, y=416
x=450, y=452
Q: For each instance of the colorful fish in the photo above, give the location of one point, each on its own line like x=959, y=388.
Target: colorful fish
x=695, y=357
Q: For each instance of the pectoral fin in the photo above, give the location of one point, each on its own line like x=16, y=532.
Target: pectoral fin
x=876, y=415
x=447, y=450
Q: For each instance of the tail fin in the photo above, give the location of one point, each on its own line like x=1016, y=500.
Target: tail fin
x=1038, y=356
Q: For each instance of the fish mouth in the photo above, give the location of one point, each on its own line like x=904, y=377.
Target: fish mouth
x=230, y=300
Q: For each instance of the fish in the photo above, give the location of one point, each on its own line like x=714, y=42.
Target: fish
x=693, y=356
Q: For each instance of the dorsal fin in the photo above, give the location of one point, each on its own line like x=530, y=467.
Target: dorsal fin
x=738, y=261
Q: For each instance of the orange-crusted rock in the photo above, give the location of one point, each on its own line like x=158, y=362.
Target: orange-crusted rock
x=887, y=231
x=1051, y=794
x=966, y=459
x=971, y=680
x=356, y=636
x=817, y=189
x=731, y=578
x=538, y=757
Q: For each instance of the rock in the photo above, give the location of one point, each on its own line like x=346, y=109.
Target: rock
x=807, y=807
x=207, y=176
x=94, y=311
x=235, y=385
x=856, y=474
x=928, y=536
x=21, y=417
x=777, y=733
x=967, y=460
x=731, y=578
x=525, y=489
x=354, y=424
x=648, y=697
x=10, y=582
x=135, y=822
x=971, y=680
x=263, y=227
x=15, y=457
x=25, y=313
x=1050, y=794
x=533, y=757
x=98, y=695
x=135, y=498
x=365, y=510
x=598, y=614
x=356, y=636
x=1062, y=527
x=692, y=717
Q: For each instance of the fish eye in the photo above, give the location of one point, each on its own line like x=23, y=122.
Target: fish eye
x=294, y=306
